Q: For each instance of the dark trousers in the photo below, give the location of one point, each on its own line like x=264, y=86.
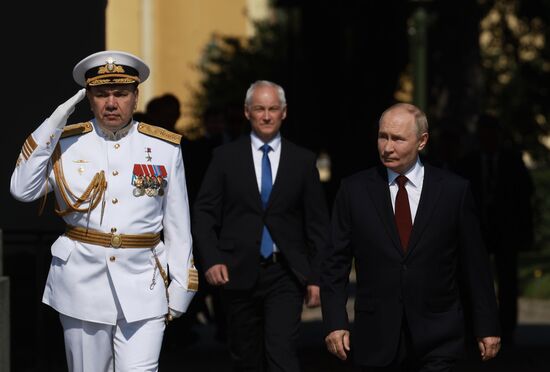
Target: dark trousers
x=263, y=322
x=407, y=360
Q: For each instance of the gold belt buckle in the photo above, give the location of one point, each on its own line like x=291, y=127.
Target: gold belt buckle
x=116, y=240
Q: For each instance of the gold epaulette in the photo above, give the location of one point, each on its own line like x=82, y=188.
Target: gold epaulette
x=76, y=129
x=158, y=132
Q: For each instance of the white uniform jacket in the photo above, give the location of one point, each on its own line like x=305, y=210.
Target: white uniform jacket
x=85, y=280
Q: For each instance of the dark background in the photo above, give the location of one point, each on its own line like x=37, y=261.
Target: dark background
x=340, y=63
x=41, y=43
x=40, y=51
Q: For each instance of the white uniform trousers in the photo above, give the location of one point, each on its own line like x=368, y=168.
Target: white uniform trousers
x=96, y=347
x=124, y=347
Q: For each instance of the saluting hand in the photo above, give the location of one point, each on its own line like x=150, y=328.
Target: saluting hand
x=217, y=275
x=63, y=111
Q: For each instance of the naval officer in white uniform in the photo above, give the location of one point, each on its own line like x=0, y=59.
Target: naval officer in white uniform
x=118, y=184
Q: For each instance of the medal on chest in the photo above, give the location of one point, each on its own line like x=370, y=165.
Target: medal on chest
x=149, y=179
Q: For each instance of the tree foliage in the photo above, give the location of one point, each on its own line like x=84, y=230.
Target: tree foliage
x=515, y=46
x=230, y=64
x=484, y=55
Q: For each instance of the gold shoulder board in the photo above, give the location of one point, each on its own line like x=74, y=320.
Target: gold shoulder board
x=76, y=129
x=158, y=132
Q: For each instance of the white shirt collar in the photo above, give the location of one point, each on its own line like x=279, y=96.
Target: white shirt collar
x=415, y=174
x=257, y=143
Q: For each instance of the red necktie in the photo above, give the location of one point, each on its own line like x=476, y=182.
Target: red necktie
x=403, y=212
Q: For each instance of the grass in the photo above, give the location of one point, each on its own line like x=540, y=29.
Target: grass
x=534, y=275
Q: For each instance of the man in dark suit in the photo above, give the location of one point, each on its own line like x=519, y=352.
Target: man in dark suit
x=410, y=266
x=260, y=230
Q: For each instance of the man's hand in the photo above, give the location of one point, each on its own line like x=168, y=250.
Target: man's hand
x=338, y=343
x=217, y=275
x=313, y=296
x=488, y=347
x=62, y=112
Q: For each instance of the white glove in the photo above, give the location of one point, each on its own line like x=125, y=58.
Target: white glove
x=50, y=130
x=63, y=111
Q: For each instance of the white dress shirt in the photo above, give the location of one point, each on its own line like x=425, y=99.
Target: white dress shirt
x=415, y=177
x=257, y=154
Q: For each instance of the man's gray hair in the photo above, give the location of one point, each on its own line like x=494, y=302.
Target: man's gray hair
x=264, y=83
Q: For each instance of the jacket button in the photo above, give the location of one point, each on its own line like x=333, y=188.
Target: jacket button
x=117, y=146
x=405, y=267
x=112, y=258
x=115, y=200
x=115, y=173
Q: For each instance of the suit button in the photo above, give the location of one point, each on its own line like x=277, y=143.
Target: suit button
x=115, y=200
x=112, y=258
x=115, y=173
x=117, y=146
x=405, y=267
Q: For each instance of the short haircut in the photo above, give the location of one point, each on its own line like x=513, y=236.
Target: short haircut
x=419, y=116
x=264, y=83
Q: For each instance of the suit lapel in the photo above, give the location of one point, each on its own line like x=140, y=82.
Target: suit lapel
x=380, y=195
x=431, y=189
x=282, y=172
x=249, y=173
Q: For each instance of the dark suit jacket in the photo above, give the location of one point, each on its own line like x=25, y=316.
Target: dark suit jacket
x=445, y=252
x=229, y=217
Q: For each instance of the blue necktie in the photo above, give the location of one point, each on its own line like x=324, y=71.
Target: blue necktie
x=267, y=183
